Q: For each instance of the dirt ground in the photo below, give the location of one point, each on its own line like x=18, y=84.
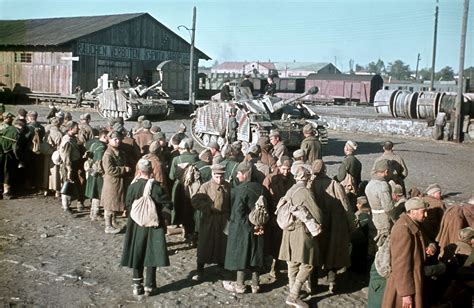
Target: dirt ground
x=48, y=258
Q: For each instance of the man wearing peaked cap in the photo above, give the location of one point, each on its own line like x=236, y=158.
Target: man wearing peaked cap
x=144, y=137
x=405, y=285
x=86, y=132
x=311, y=145
x=215, y=150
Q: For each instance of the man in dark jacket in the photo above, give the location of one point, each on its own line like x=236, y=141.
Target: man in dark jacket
x=247, y=83
x=225, y=91
x=245, y=241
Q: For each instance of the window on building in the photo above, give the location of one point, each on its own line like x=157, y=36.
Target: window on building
x=23, y=57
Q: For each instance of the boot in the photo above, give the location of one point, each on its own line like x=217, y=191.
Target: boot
x=94, y=209
x=108, y=223
x=114, y=221
x=137, y=287
x=66, y=203
x=293, y=299
x=80, y=206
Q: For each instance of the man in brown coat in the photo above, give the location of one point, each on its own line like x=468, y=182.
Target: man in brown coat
x=405, y=285
x=114, y=189
x=213, y=200
x=279, y=148
x=144, y=137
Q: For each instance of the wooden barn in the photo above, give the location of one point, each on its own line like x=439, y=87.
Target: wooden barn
x=57, y=54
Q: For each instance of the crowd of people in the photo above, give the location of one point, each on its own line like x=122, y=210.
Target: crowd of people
x=418, y=252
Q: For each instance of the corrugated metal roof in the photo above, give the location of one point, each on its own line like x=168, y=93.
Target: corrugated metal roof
x=58, y=31
x=55, y=31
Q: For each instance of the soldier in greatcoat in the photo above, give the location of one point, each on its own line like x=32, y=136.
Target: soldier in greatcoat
x=183, y=212
x=435, y=211
x=311, y=145
x=114, y=189
x=405, y=284
x=54, y=140
x=8, y=151
x=39, y=162
x=352, y=167
x=71, y=156
x=213, y=201
x=95, y=180
x=398, y=170
x=245, y=242
x=277, y=184
x=145, y=246
x=279, y=149
x=298, y=247
x=144, y=137
x=158, y=167
x=265, y=154
x=338, y=221
x=86, y=132
x=379, y=195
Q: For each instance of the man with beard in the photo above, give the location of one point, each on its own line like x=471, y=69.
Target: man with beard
x=338, y=221
x=277, y=184
x=213, y=201
x=95, y=180
x=114, y=189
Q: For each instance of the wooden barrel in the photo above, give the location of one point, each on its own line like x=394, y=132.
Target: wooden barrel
x=426, y=105
x=383, y=101
x=399, y=108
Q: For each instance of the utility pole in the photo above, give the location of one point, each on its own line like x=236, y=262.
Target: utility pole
x=459, y=98
x=416, y=72
x=191, y=62
x=435, y=34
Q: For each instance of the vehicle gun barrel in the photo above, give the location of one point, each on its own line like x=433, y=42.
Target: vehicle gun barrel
x=282, y=103
x=144, y=91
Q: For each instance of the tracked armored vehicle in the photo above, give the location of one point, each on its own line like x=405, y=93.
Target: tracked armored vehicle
x=129, y=103
x=256, y=118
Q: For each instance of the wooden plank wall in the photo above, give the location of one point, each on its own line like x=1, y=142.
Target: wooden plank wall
x=46, y=73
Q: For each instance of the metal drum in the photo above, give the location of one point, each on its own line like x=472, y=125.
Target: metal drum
x=400, y=110
x=383, y=101
x=427, y=105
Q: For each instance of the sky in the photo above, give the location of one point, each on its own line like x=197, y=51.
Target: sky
x=333, y=31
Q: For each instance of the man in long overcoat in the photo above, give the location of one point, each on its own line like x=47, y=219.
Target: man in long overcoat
x=95, y=180
x=114, y=189
x=8, y=159
x=298, y=247
x=338, y=222
x=245, y=241
x=145, y=246
x=311, y=145
x=54, y=140
x=277, y=184
x=213, y=201
x=405, y=285
x=435, y=211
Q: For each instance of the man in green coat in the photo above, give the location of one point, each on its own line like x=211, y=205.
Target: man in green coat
x=95, y=181
x=298, y=247
x=183, y=212
x=350, y=167
x=245, y=241
x=311, y=145
x=145, y=246
x=213, y=201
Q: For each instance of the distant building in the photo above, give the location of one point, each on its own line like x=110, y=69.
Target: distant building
x=303, y=69
x=255, y=68
x=54, y=55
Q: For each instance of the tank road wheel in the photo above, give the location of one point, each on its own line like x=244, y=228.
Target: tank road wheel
x=101, y=112
x=131, y=113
